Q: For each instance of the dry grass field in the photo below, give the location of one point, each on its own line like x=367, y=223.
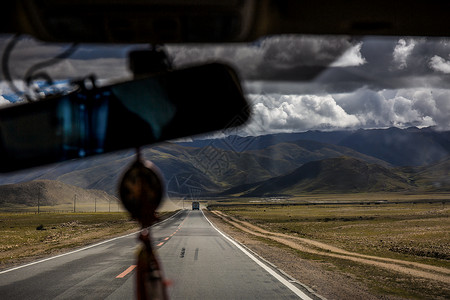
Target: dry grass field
x=27, y=236
x=398, y=248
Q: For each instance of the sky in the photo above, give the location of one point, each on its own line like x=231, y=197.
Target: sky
x=293, y=83
x=367, y=83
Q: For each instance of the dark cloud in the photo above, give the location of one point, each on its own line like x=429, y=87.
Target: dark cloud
x=393, y=63
x=336, y=64
x=273, y=58
x=331, y=64
x=297, y=83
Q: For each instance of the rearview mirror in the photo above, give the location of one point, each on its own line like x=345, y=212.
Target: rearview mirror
x=125, y=115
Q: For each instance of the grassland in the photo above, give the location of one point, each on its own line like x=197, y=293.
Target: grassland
x=100, y=206
x=26, y=236
x=316, y=198
x=406, y=230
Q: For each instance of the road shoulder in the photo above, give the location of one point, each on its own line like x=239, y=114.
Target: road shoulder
x=316, y=275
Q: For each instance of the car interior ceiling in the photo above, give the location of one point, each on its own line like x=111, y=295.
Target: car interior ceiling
x=160, y=22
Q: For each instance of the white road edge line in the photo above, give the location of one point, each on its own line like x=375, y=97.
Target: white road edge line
x=169, y=218
x=67, y=253
x=289, y=285
x=79, y=250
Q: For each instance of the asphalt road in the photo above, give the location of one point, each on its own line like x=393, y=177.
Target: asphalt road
x=200, y=262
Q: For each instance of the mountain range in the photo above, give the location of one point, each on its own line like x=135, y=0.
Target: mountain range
x=390, y=159
x=398, y=147
x=332, y=175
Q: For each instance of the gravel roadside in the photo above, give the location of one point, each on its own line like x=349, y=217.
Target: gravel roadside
x=316, y=275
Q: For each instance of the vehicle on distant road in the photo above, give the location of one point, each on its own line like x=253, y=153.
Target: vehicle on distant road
x=195, y=205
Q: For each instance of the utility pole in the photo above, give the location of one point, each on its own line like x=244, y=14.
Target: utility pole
x=74, y=202
x=109, y=204
x=39, y=199
x=95, y=205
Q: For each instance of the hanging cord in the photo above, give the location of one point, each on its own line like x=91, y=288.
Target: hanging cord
x=5, y=64
x=138, y=154
x=30, y=75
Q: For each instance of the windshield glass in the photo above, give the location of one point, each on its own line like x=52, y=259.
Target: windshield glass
x=295, y=83
x=347, y=154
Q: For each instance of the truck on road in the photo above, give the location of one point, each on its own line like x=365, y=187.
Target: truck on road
x=195, y=205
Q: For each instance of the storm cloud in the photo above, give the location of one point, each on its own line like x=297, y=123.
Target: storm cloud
x=400, y=108
x=363, y=108
x=274, y=58
x=298, y=83
x=399, y=82
x=331, y=64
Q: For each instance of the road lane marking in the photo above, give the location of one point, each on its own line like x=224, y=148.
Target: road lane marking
x=281, y=279
x=68, y=253
x=84, y=248
x=126, y=272
x=196, y=254
x=167, y=238
x=169, y=218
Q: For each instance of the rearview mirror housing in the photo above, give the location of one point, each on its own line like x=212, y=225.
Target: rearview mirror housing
x=167, y=106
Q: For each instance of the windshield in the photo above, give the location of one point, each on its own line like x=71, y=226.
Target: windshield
x=342, y=169
x=295, y=83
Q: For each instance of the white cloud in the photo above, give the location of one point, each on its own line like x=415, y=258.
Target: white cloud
x=419, y=107
x=364, y=108
x=3, y=101
x=352, y=57
x=7, y=92
x=275, y=112
x=402, y=51
x=6, y=87
x=285, y=113
x=439, y=64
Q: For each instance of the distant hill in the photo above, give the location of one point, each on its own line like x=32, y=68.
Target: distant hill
x=401, y=147
x=49, y=192
x=302, y=151
x=226, y=166
x=333, y=175
x=240, y=144
x=225, y=169
x=434, y=177
x=97, y=172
